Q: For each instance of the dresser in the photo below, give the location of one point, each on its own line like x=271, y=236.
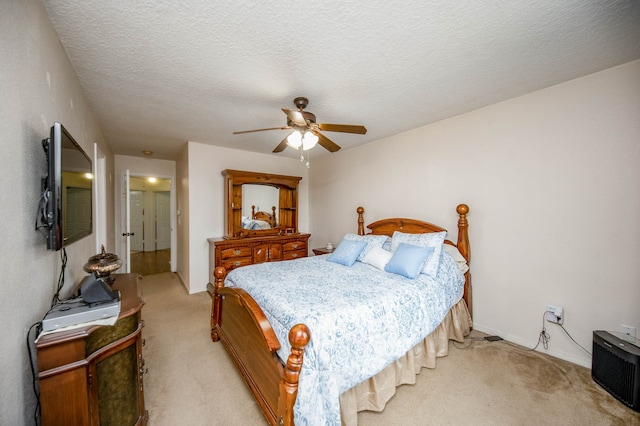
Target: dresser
x=94, y=375
x=235, y=252
x=281, y=240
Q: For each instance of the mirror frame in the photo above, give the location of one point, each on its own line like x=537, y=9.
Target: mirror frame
x=287, y=206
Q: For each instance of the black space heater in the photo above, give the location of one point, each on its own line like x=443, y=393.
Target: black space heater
x=615, y=366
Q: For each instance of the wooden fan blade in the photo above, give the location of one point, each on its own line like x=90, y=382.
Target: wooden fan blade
x=281, y=146
x=295, y=117
x=344, y=128
x=326, y=143
x=262, y=130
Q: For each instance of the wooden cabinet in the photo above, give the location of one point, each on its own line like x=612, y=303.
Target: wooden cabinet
x=235, y=252
x=280, y=241
x=94, y=375
x=270, y=251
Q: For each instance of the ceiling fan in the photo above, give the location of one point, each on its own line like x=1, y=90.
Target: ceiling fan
x=306, y=132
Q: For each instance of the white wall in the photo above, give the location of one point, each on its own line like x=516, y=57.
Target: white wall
x=182, y=215
x=551, y=179
x=206, y=198
x=38, y=86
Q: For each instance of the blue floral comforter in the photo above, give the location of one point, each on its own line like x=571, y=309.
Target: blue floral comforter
x=361, y=320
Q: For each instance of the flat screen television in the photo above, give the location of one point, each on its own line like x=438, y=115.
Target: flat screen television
x=67, y=200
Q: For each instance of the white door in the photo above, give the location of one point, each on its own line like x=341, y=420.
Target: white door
x=100, y=198
x=127, y=221
x=128, y=234
x=163, y=220
x=137, y=220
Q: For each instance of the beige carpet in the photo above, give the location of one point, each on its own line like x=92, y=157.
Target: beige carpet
x=191, y=380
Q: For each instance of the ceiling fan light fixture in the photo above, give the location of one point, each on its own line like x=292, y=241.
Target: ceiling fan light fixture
x=309, y=141
x=305, y=131
x=294, y=140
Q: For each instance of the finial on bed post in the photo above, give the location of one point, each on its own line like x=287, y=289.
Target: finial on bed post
x=463, y=234
x=219, y=273
x=465, y=250
x=299, y=337
x=360, y=211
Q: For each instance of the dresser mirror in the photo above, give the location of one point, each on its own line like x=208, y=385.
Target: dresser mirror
x=260, y=204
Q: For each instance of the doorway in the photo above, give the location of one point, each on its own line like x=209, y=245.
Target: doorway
x=150, y=225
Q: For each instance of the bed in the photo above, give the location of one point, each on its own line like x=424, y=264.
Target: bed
x=269, y=330
x=259, y=220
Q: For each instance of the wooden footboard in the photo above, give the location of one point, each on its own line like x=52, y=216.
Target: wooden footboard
x=238, y=321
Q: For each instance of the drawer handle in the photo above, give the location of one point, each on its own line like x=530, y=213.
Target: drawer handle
x=294, y=255
x=237, y=252
x=295, y=246
x=237, y=263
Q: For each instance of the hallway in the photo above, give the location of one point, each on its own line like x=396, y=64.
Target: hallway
x=151, y=262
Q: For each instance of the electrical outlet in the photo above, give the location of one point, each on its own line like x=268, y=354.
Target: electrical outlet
x=628, y=330
x=554, y=314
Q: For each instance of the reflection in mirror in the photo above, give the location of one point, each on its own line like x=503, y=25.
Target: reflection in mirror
x=259, y=206
x=77, y=201
x=244, y=189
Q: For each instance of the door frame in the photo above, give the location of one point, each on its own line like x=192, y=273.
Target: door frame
x=121, y=244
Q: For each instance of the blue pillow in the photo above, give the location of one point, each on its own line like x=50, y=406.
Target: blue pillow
x=370, y=240
x=434, y=239
x=408, y=260
x=347, y=252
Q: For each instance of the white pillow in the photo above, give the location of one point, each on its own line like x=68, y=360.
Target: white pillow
x=458, y=257
x=377, y=257
x=432, y=239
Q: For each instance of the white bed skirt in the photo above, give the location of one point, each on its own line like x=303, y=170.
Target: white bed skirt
x=373, y=394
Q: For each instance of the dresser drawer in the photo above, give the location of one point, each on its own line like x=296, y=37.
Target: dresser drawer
x=232, y=263
x=290, y=255
x=236, y=252
x=233, y=252
x=295, y=245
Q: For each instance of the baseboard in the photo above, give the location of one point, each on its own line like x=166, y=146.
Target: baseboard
x=531, y=343
x=182, y=281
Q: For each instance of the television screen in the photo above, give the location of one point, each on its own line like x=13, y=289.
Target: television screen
x=69, y=194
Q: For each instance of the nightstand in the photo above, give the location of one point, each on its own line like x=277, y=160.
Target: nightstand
x=322, y=250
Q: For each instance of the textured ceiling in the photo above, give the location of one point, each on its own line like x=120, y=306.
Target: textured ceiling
x=160, y=73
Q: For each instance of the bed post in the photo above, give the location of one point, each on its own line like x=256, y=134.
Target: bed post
x=360, y=211
x=219, y=273
x=465, y=250
x=299, y=337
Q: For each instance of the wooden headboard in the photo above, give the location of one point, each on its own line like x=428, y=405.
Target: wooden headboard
x=269, y=218
x=413, y=226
